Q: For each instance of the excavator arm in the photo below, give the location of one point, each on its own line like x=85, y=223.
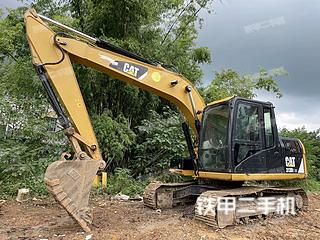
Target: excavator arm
x=53, y=54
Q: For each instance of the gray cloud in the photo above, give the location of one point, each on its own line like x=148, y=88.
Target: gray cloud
x=293, y=112
x=294, y=44
x=9, y=3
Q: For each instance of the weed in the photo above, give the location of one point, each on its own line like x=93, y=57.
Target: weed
x=122, y=181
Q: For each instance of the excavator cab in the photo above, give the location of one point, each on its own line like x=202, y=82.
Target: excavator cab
x=239, y=137
x=249, y=144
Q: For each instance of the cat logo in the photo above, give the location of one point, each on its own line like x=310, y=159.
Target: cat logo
x=131, y=69
x=290, y=161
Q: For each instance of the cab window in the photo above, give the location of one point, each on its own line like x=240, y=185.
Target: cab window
x=268, y=131
x=247, y=123
x=247, y=136
x=213, y=150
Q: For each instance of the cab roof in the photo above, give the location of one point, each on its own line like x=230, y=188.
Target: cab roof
x=235, y=98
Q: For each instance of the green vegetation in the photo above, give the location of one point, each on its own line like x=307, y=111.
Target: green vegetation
x=229, y=82
x=311, y=142
x=160, y=139
x=23, y=165
x=138, y=133
x=123, y=182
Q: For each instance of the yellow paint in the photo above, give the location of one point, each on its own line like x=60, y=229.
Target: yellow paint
x=156, y=76
x=239, y=176
x=100, y=180
x=220, y=101
x=78, y=103
x=131, y=73
x=104, y=180
x=96, y=182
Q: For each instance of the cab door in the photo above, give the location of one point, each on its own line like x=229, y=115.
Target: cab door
x=247, y=138
x=271, y=148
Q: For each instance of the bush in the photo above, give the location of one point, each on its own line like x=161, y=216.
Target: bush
x=23, y=164
x=114, y=137
x=168, y=177
x=160, y=139
x=309, y=184
x=123, y=182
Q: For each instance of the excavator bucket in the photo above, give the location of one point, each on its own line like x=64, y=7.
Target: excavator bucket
x=70, y=182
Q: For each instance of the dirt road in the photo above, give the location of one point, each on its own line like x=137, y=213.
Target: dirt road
x=44, y=219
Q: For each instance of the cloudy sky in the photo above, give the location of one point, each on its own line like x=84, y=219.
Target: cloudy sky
x=247, y=34
x=9, y=3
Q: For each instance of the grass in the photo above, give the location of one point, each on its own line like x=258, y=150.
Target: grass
x=309, y=184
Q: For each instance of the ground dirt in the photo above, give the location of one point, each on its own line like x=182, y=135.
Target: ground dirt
x=45, y=219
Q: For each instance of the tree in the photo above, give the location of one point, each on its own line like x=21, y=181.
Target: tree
x=160, y=139
x=229, y=82
x=115, y=138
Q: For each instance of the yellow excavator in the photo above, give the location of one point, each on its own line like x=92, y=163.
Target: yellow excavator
x=235, y=141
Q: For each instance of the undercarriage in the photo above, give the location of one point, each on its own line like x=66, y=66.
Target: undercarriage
x=218, y=206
